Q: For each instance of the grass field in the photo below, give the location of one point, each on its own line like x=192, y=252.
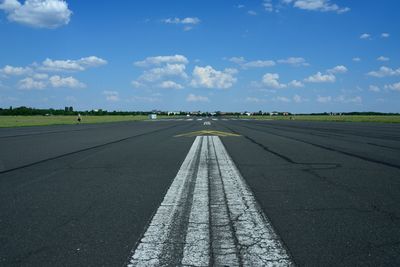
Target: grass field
x=18, y=121
x=344, y=118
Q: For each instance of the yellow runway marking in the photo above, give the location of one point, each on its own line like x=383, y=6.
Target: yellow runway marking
x=206, y=133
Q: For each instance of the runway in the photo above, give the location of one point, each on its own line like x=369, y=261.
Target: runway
x=85, y=195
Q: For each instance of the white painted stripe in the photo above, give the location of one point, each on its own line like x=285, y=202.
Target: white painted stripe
x=257, y=242
x=197, y=242
x=209, y=217
x=149, y=251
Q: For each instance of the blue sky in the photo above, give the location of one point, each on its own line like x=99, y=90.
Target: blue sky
x=287, y=55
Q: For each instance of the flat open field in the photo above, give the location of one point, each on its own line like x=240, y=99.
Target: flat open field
x=344, y=118
x=18, y=121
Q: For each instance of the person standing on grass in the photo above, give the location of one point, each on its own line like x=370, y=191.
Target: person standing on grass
x=79, y=118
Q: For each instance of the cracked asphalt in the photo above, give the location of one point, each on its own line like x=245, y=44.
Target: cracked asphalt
x=83, y=195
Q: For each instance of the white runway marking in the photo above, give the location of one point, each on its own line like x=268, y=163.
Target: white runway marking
x=207, y=123
x=209, y=217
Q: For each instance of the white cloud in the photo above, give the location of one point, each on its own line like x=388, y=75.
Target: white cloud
x=14, y=71
x=169, y=70
x=321, y=78
x=72, y=65
x=254, y=99
x=299, y=99
x=170, y=85
x=382, y=58
x=384, y=72
x=295, y=84
x=281, y=99
x=268, y=6
x=197, y=98
x=71, y=82
x=365, y=36
x=272, y=80
x=38, y=13
x=188, y=20
x=385, y=35
x=345, y=100
x=294, y=61
x=324, y=99
x=374, y=88
x=237, y=60
x=317, y=5
x=338, y=69
x=40, y=76
x=395, y=86
x=159, y=60
x=112, y=96
x=252, y=64
x=356, y=59
x=138, y=84
x=252, y=13
x=29, y=83
x=208, y=77
x=258, y=64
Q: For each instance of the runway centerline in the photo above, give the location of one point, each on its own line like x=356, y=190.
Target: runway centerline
x=209, y=216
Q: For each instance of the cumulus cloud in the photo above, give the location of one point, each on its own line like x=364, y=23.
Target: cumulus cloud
x=324, y=99
x=251, y=64
x=237, y=60
x=281, y=99
x=356, y=59
x=70, y=82
x=72, y=65
x=38, y=13
x=385, y=35
x=382, y=58
x=112, y=96
x=251, y=99
x=29, y=83
x=197, y=98
x=299, y=99
x=294, y=61
x=338, y=69
x=321, y=78
x=295, y=84
x=365, y=36
x=14, y=71
x=169, y=70
x=187, y=22
x=209, y=77
x=258, y=64
x=317, y=5
x=345, y=100
x=170, y=85
x=384, y=72
x=374, y=88
x=268, y=6
x=271, y=80
x=395, y=86
x=159, y=60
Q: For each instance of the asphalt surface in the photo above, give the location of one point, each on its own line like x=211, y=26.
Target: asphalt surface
x=83, y=195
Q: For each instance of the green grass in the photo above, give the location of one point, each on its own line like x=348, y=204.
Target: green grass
x=18, y=121
x=344, y=118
